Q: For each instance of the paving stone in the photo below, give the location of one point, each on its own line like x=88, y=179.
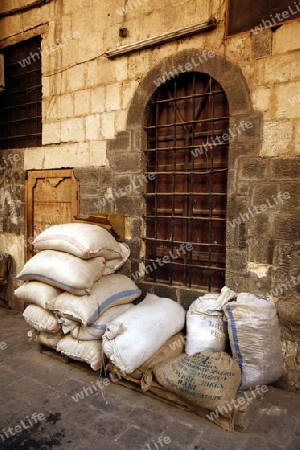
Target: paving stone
x=51, y=436
x=61, y=404
x=40, y=393
x=21, y=404
x=8, y=396
x=181, y=434
x=210, y=439
x=8, y=375
x=51, y=378
x=87, y=416
x=187, y=417
x=287, y=400
x=170, y=446
x=150, y=421
x=84, y=374
x=109, y=426
x=294, y=444
x=260, y=443
x=104, y=442
x=23, y=385
x=134, y=438
x=109, y=403
x=70, y=387
x=16, y=349
x=159, y=443
x=272, y=420
x=29, y=438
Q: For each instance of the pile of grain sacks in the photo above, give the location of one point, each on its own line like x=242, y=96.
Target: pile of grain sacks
x=243, y=324
x=232, y=344
x=73, y=289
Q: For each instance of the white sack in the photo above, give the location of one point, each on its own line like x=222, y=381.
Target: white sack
x=109, y=291
x=136, y=335
x=205, y=323
x=87, y=351
x=67, y=325
x=38, y=293
x=85, y=241
x=40, y=319
x=255, y=339
x=96, y=329
x=64, y=271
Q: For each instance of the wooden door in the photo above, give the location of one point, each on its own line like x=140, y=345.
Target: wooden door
x=51, y=198
x=186, y=201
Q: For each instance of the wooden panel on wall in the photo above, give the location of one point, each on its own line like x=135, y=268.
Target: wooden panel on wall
x=244, y=15
x=51, y=198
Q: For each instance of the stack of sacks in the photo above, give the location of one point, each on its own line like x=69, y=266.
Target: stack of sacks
x=86, y=317
x=69, y=267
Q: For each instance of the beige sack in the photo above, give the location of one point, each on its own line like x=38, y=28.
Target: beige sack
x=67, y=272
x=49, y=340
x=96, y=329
x=109, y=291
x=85, y=241
x=40, y=319
x=87, y=351
x=207, y=380
x=38, y=293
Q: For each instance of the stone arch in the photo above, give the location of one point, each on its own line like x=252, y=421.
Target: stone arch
x=228, y=74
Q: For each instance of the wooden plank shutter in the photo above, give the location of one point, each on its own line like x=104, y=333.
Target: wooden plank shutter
x=51, y=198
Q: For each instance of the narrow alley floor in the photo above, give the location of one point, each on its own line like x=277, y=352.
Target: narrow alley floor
x=41, y=411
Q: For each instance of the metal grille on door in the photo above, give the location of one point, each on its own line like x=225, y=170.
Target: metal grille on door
x=186, y=201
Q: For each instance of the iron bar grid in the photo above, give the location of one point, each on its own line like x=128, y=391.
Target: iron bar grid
x=21, y=101
x=186, y=201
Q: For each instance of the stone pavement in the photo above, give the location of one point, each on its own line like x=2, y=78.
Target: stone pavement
x=39, y=413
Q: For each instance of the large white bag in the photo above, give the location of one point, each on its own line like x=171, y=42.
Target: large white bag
x=40, y=319
x=85, y=241
x=87, y=351
x=136, y=335
x=96, y=329
x=38, y=293
x=109, y=291
x=205, y=323
x=64, y=271
x=255, y=339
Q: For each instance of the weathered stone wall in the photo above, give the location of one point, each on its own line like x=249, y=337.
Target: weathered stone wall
x=93, y=118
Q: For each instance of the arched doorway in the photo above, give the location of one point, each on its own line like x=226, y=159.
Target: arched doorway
x=185, y=238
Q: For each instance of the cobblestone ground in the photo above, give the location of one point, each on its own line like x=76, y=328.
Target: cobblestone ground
x=37, y=393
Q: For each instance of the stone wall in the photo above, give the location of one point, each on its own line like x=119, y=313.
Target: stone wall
x=93, y=118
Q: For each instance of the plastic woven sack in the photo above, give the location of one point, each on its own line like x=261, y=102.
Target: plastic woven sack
x=255, y=339
x=205, y=324
x=132, y=338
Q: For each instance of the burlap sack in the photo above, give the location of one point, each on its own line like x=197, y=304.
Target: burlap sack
x=207, y=380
